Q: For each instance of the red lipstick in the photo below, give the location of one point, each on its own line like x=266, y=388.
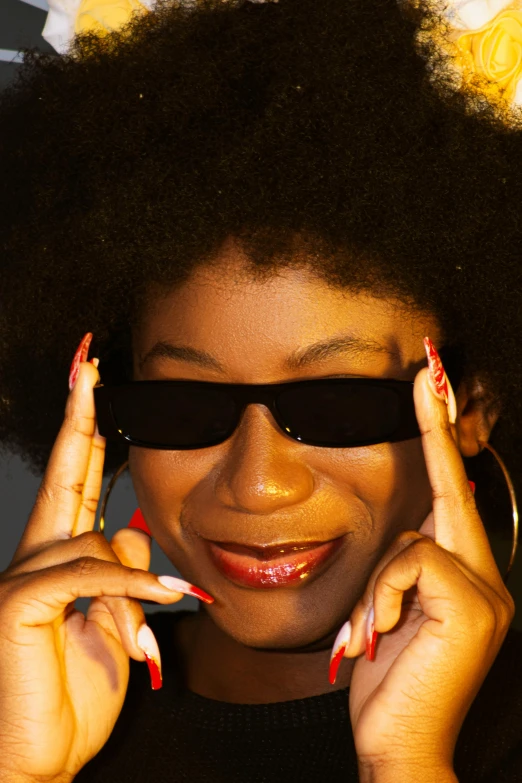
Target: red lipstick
x=275, y=566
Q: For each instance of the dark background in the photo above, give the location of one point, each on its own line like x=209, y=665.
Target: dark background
x=21, y=24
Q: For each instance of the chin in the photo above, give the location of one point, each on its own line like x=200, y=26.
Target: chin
x=292, y=624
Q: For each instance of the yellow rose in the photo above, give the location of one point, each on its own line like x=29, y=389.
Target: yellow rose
x=100, y=17
x=494, y=51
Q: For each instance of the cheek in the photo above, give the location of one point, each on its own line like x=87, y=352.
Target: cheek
x=389, y=480
x=165, y=482
x=408, y=491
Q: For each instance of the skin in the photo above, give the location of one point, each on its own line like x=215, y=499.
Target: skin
x=260, y=486
x=442, y=610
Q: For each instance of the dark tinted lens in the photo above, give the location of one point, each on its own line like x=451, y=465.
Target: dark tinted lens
x=167, y=415
x=333, y=415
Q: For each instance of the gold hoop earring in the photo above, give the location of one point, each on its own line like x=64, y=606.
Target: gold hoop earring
x=110, y=487
x=514, y=507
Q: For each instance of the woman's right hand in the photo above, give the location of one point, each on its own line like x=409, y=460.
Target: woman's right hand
x=63, y=675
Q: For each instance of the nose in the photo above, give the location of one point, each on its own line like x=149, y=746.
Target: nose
x=263, y=470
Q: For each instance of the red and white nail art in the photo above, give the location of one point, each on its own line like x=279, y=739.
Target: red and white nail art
x=180, y=586
x=439, y=380
x=81, y=355
x=147, y=642
x=371, y=636
x=342, y=641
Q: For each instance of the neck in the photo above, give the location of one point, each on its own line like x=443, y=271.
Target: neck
x=218, y=667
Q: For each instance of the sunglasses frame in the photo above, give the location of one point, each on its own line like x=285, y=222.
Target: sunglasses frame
x=265, y=394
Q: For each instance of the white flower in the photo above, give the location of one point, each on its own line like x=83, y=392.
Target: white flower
x=68, y=17
x=472, y=14
x=59, y=25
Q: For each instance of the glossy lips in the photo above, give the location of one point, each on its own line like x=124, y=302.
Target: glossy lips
x=272, y=566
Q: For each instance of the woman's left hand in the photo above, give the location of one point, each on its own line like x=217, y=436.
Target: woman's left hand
x=443, y=612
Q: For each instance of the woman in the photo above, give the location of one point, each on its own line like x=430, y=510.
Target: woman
x=273, y=207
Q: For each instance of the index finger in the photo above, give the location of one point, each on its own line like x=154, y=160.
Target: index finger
x=458, y=527
x=60, y=496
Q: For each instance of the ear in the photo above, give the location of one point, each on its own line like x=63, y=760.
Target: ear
x=476, y=416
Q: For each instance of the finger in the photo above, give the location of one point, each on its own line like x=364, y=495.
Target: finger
x=120, y=616
x=92, y=487
x=45, y=595
x=60, y=495
x=133, y=554
x=353, y=635
x=447, y=599
x=133, y=548
x=361, y=611
x=458, y=527
x=93, y=544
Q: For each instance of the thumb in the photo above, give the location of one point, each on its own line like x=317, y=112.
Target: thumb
x=132, y=548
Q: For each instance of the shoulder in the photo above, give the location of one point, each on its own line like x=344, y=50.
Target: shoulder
x=489, y=746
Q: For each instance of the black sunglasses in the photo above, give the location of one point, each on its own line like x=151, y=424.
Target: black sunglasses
x=330, y=412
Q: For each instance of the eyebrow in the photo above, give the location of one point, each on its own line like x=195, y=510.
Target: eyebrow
x=319, y=351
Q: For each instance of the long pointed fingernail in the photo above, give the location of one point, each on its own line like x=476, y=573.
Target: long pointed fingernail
x=147, y=642
x=81, y=355
x=371, y=636
x=439, y=381
x=342, y=641
x=180, y=586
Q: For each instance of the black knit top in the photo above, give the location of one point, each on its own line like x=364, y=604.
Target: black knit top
x=173, y=735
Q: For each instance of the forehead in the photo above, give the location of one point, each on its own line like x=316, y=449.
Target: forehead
x=252, y=326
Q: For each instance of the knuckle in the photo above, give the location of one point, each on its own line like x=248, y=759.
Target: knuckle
x=418, y=550
x=7, y=580
x=506, y=608
x=91, y=504
x=483, y=615
x=123, y=604
x=407, y=537
x=75, y=489
x=454, y=492
x=440, y=429
x=84, y=566
x=48, y=493
x=78, y=424
x=489, y=620
x=468, y=500
x=92, y=543
x=443, y=493
x=419, y=543
x=98, y=446
x=385, y=589
x=429, y=429
x=136, y=573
